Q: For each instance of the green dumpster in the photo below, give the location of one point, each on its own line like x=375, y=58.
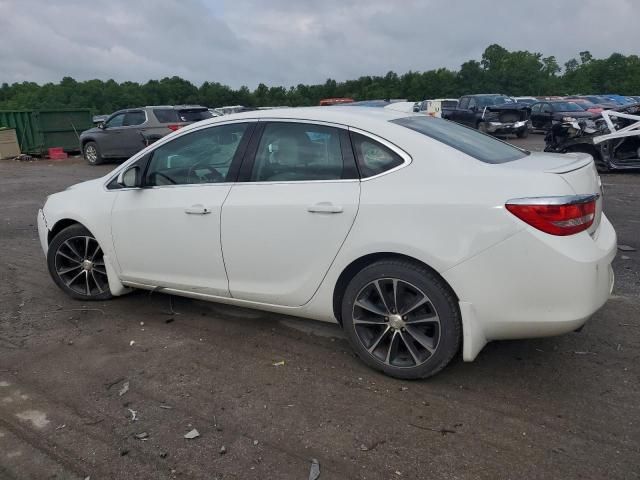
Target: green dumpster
x=39, y=130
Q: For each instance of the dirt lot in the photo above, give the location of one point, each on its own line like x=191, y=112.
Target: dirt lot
x=565, y=407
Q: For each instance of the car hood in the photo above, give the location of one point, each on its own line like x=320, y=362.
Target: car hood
x=90, y=131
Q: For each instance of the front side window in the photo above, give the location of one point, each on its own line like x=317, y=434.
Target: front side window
x=203, y=156
x=290, y=152
x=472, y=103
x=536, y=107
x=373, y=158
x=134, y=118
x=116, y=120
x=464, y=103
x=483, y=147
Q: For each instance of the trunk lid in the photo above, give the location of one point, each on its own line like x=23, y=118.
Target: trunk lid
x=577, y=169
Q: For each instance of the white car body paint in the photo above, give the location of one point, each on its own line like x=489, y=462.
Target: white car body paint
x=441, y=207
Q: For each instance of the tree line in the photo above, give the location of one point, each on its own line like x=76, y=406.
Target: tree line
x=498, y=71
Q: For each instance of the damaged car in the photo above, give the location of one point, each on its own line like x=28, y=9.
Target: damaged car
x=492, y=113
x=612, y=138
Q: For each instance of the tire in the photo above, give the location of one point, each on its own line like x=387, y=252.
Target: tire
x=91, y=153
x=76, y=264
x=524, y=133
x=377, y=331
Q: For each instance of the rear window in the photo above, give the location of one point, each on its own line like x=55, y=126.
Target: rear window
x=193, y=115
x=170, y=115
x=482, y=147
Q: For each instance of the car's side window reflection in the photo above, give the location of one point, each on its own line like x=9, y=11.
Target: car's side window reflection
x=116, y=121
x=291, y=152
x=203, y=156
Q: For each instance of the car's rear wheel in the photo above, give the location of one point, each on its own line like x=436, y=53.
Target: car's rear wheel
x=91, y=153
x=401, y=319
x=76, y=263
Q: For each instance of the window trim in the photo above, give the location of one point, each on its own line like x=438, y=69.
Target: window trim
x=406, y=158
x=248, y=162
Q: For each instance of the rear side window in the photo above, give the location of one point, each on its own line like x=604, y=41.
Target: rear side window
x=193, y=115
x=291, y=152
x=482, y=147
x=373, y=157
x=134, y=118
x=165, y=115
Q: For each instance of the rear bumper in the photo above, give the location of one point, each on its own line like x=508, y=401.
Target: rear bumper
x=533, y=285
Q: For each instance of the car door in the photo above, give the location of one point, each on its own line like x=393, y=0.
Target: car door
x=535, y=115
x=284, y=223
x=109, y=139
x=460, y=114
x=131, y=134
x=167, y=233
x=546, y=116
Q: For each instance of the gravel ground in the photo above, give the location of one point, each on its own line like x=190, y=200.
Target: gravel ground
x=564, y=407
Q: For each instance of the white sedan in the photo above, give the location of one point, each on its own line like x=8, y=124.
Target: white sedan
x=419, y=236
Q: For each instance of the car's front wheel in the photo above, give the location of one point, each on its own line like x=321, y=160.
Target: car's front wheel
x=76, y=263
x=401, y=319
x=92, y=154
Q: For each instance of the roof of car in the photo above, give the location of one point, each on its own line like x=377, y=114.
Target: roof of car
x=360, y=116
x=175, y=106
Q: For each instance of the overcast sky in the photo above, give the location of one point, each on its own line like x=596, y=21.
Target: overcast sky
x=286, y=42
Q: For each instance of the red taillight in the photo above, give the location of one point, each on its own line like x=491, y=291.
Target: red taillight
x=556, y=215
x=173, y=128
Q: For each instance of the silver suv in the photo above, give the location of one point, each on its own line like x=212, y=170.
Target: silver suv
x=128, y=131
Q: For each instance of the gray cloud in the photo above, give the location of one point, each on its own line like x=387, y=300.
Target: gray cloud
x=286, y=42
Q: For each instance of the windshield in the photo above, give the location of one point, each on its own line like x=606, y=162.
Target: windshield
x=494, y=100
x=566, y=107
x=475, y=144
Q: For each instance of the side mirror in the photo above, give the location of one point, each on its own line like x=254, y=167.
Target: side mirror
x=130, y=178
x=102, y=125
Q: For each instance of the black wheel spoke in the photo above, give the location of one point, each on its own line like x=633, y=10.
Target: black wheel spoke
x=424, y=320
x=379, y=339
x=384, y=302
x=410, y=348
x=74, y=278
x=422, y=339
x=73, y=250
x=370, y=307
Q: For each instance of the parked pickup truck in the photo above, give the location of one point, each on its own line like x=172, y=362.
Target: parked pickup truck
x=492, y=113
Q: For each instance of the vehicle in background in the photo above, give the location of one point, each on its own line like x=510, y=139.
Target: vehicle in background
x=546, y=114
x=407, y=107
x=586, y=104
x=438, y=107
x=619, y=99
x=213, y=112
x=325, y=102
x=612, y=138
x=228, y=110
x=526, y=100
x=369, y=103
x=601, y=101
x=128, y=131
x=492, y=113
x=418, y=236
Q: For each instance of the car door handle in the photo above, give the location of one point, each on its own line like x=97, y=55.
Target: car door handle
x=324, y=207
x=197, y=210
